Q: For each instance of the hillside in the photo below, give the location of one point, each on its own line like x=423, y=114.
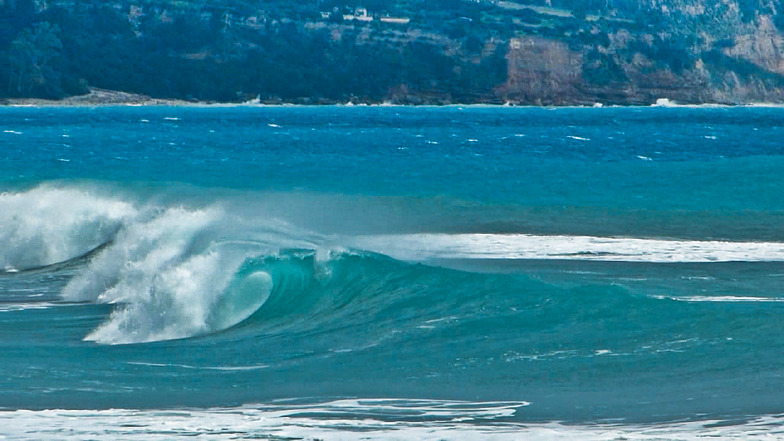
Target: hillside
x=539, y=52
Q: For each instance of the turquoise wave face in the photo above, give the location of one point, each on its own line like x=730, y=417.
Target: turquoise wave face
x=571, y=274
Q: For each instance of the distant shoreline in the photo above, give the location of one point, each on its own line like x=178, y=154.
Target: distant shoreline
x=96, y=97
x=108, y=98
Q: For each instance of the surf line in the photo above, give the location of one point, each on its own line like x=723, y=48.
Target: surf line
x=525, y=246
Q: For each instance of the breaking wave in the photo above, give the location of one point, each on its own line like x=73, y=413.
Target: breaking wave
x=419, y=247
x=176, y=271
x=46, y=225
x=173, y=272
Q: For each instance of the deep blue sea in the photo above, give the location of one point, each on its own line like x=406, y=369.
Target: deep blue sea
x=391, y=273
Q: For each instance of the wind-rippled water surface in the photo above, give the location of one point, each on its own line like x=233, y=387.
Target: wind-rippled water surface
x=391, y=272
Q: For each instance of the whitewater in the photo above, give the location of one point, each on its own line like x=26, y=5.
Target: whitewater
x=391, y=273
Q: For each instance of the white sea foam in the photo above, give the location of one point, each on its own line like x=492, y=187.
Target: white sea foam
x=724, y=299
x=47, y=225
x=173, y=273
x=13, y=307
x=422, y=247
x=378, y=419
x=204, y=368
x=666, y=102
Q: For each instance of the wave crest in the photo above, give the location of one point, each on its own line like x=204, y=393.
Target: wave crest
x=174, y=275
x=177, y=271
x=46, y=225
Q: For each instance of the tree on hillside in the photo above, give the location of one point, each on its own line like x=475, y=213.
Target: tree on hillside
x=30, y=61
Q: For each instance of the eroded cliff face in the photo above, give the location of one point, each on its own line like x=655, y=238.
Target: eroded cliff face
x=547, y=72
x=542, y=71
x=697, y=52
x=763, y=45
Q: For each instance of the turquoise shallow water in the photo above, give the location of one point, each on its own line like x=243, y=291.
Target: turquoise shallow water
x=461, y=271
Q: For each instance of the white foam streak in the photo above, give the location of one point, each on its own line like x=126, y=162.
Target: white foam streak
x=254, y=367
x=723, y=299
x=379, y=419
x=14, y=307
x=421, y=247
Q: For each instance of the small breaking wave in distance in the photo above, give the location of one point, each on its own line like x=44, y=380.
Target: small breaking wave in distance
x=419, y=247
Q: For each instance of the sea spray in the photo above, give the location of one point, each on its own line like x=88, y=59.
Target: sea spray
x=48, y=225
x=174, y=272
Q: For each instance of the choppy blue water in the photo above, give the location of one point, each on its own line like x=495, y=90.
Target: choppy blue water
x=388, y=272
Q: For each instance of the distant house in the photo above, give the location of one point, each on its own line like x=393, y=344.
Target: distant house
x=360, y=14
x=395, y=20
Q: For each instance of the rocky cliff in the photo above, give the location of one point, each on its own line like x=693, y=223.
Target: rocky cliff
x=688, y=51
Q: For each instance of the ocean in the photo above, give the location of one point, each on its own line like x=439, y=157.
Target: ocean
x=391, y=273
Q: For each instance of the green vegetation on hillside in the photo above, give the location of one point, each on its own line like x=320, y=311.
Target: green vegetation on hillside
x=406, y=51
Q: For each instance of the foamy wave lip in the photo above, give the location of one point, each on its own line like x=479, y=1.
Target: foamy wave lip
x=48, y=225
x=139, y=252
x=175, y=303
x=172, y=278
x=178, y=272
x=420, y=247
